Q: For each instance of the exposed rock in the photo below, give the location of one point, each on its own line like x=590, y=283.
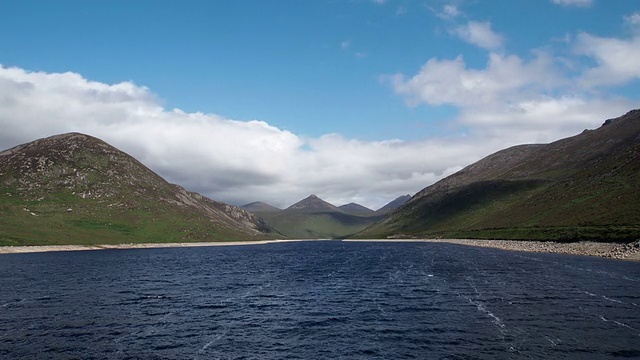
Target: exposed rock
x=89, y=178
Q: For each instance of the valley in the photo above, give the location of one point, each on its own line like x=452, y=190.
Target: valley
x=314, y=218
x=74, y=189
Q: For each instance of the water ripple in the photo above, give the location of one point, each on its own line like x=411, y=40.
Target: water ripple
x=317, y=300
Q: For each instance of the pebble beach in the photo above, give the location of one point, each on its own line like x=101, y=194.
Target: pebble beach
x=629, y=251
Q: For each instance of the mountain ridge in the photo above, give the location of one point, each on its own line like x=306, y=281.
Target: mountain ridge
x=356, y=209
x=259, y=206
x=312, y=203
x=315, y=218
x=394, y=204
x=584, y=187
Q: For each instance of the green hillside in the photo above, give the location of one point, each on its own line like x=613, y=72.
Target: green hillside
x=322, y=225
x=314, y=218
x=76, y=189
x=585, y=187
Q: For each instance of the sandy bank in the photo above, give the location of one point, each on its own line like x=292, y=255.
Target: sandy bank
x=609, y=250
x=48, y=248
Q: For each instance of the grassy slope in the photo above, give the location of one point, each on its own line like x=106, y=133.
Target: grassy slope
x=123, y=201
x=95, y=222
x=585, y=187
x=316, y=225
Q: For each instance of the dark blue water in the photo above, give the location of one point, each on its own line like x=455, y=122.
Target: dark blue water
x=317, y=300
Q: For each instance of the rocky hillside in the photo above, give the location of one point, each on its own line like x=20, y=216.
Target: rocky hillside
x=582, y=187
x=77, y=189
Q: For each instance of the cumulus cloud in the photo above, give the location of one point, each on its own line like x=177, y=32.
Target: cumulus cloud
x=529, y=100
x=479, y=34
x=524, y=101
x=450, y=81
x=542, y=119
x=228, y=160
x=578, y=3
x=617, y=59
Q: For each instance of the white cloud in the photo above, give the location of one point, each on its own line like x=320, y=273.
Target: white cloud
x=450, y=82
x=578, y=3
x=617, y=59
x=449, y=11
x=479, y=34
x=532, y=100
x=228, y=160
x=542, y=119
x=508, y=99
x=633, y=19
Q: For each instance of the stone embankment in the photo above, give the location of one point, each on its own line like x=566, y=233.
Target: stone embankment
x=628, y=251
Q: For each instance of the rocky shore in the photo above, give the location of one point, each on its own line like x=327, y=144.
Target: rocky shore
x=629, y=251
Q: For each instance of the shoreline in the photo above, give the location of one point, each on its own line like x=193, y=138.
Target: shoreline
x=630, y=251
x=617, y=251
x=54, y=248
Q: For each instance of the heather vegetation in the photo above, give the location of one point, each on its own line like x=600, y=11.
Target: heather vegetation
x=585, y=187
x=76, y=189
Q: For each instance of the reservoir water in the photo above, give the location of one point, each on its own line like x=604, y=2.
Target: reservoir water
x=318, y=300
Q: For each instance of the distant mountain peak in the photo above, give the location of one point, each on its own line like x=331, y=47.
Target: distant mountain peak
x=355, y=209
x=313, y=203
x=394, y=204
x=259, y=206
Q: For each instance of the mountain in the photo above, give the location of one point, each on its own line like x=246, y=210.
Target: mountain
x=259, y=206
x=77, y=189
x=585, y=187
x=312, y=204
x=314, y=218
x=394, y=204
x=356, y=209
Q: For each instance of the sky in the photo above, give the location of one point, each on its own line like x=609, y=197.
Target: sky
x=352, y=100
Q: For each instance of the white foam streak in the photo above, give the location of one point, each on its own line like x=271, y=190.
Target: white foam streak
x=209, y=344
x=553, y=342
x=618, y=323
x=612, y=300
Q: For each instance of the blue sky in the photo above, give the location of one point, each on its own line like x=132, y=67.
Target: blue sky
x=355, y=100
